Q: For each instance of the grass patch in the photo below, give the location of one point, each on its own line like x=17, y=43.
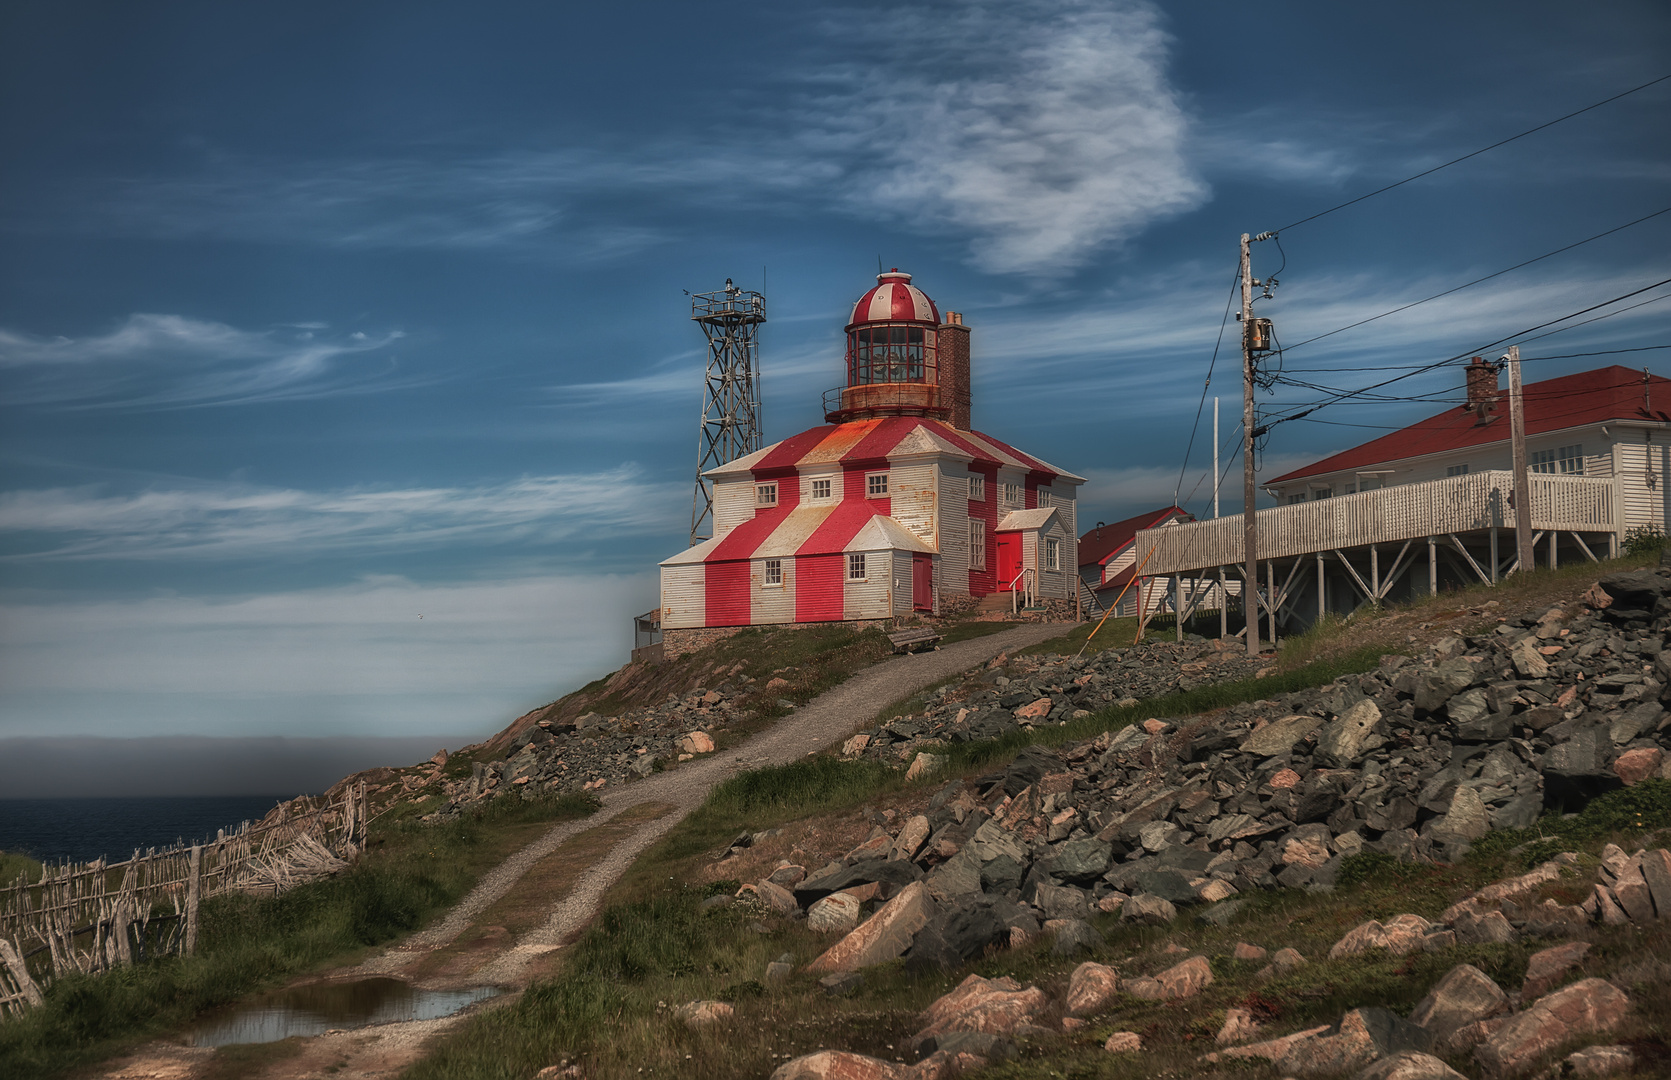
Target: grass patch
x=14, y=866
x=1625, y=815
x=408, y=874
x=968, y=631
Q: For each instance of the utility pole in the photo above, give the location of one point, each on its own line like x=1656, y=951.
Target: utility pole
x=1522, y=484
x=1250, y=527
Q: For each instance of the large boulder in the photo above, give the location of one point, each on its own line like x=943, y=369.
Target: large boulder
x=1081, y=862
x=1363, y=1036
x=837, y=913
x=1178, y=981
x=1399, y=935
x=1409, y=1065
x=840, y=1065
x=1001, y=1006
x=1435, y=687
x=955, y=936
x=1090, y=989
x=835, y=878
x=1279, y=736
x=1464, y=995
x=882, y=937
x=1350, y=736
x=1149, y=909
x=1592, y=1006
x=1547, y=967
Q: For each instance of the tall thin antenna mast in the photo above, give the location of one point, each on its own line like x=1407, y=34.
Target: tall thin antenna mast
x=730, y=425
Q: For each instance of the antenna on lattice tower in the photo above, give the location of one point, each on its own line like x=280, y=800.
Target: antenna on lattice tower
x=730, y=427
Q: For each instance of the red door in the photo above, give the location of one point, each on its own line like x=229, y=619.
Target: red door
x=1009, y=559
x=922, y=582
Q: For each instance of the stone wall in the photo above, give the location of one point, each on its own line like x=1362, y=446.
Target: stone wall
x=679, y=642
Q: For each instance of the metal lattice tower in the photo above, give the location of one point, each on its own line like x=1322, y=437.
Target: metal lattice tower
x=730, y=425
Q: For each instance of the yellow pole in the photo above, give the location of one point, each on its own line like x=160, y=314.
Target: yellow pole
x=1117, y=599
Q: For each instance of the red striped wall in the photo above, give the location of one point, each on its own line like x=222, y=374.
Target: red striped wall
x=818, y=587
x=726, y=589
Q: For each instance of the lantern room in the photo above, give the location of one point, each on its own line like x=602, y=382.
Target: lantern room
x=901, y=359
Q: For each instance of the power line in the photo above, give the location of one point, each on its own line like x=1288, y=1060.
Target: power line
x=1476, y=153
x=1460, y=356
x=1523, y=359
x=1234, y=278
x=1476, y=281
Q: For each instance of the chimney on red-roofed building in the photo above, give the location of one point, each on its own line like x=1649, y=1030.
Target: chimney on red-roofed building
x=1482, y=387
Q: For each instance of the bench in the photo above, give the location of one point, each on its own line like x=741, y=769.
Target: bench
x=914, y=638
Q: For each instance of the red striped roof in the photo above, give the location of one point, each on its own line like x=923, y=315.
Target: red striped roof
x=894, y=299
x=1589, y=397
x=861, y=442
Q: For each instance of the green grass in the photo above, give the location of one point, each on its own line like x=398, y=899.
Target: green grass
x=1626, y=813
x=13, y=865
x=408, y=874
x=968, y=631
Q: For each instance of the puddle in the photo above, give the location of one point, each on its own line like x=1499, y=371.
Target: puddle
x=316, y=1008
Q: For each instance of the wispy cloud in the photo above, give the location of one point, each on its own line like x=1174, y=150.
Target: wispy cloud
x=172, y=361
x=234, y=521
x=1046, y=132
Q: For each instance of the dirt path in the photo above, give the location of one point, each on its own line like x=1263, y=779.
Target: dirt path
x=633, y=817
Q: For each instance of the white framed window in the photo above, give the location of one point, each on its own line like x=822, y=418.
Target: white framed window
x=1012, y=494
x=765, y=494
x=1296, y=497
x=1457, y=470
x=977, y=489
x=774, y=573
x=977, y=545
x=1565, y=459
x=876, y=485
x=820, y=489
x=856, y=566
x=1052, y=553
x=1044, y=498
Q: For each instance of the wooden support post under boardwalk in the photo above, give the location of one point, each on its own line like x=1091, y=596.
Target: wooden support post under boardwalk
x=1432, y=567
x=1322, y=597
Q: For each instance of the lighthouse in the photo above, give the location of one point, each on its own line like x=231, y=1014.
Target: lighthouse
x=895, y=506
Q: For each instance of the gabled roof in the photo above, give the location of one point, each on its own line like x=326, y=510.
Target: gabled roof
x=1020, y=520
x=877, y=439
x=805, y=530
x=1589, y=397
x=1099, y=545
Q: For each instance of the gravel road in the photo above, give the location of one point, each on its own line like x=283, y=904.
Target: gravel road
x=826, y=719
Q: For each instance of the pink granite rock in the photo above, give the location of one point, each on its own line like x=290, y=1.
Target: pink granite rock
x=1588, y=1007
x=1091, y=988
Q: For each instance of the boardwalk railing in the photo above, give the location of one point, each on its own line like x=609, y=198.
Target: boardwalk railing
x=91, y=917
x=1482, y=500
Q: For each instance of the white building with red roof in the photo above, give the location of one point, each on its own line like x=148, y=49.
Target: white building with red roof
x=894, y=506
x=1361, y=526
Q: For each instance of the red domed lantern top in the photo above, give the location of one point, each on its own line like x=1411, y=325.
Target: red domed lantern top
x=894, y=300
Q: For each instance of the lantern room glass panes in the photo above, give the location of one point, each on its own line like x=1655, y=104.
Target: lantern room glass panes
x=889, y=354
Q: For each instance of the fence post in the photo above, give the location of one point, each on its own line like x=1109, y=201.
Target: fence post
x=19, y=972
x=194, y=892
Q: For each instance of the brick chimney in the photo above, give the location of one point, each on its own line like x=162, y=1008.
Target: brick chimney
x=1482, y=387
x=954, y=370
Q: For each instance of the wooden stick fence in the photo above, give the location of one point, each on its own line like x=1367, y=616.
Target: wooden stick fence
x=91, y=917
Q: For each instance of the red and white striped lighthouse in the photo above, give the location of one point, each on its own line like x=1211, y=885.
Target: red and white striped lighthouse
x=895, y=505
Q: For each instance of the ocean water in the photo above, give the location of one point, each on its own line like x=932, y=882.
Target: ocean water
x=83, y=829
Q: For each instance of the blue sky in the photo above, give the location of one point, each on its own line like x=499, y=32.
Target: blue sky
x=319, y=317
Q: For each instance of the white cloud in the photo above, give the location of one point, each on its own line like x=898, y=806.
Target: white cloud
x=237, y=521
x=1046, y=132
x=173, y=361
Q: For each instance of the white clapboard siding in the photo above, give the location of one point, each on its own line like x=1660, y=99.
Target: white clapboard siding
x=1640, y=475
x=733, y=504
x=914, y=497
x=952, y=567
x=873, y=597
x=902, y=583
x=771, y=603
x=1405, y=512
x=1056, y=584
x=683, y=596
x=830, y=473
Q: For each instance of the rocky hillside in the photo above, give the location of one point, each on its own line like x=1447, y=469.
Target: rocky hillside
x=1412, y=763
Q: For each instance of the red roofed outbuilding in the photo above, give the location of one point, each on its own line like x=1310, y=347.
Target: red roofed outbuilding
x=893, y=506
